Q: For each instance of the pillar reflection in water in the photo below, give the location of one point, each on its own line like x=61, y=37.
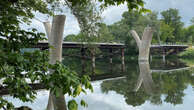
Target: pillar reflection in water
x=145, y=77
x=23, y=108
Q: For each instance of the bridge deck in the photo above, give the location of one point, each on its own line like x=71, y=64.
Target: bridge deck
x=44, y=45
x=166, y=49
x=166, y=45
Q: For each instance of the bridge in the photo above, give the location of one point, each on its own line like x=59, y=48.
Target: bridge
x=167, y=49
x=114, y=49
x=44, y=45
x=163, y=49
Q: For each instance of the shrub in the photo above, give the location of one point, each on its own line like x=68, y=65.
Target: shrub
x=188, y=53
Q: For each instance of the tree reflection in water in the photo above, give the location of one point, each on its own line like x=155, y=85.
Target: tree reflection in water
x=146, y=86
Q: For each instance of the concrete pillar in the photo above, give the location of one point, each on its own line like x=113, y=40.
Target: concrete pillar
x=144, y=43
x=47, y=26
x=110, y=59
x=93, y=61
x=123, y=59
x=164, y=55
x=150, y=58
x=164, y=58
x=83, y=60
x=55, y=37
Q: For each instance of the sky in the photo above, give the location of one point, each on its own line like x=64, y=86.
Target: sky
x=114, y=13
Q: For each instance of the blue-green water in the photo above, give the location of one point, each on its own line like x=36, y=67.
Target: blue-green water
x=139, y=88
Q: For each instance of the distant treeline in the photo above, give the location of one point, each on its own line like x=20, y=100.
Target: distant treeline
x=168, y=28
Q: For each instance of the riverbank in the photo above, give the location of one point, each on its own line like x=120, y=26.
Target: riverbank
x=187, y=54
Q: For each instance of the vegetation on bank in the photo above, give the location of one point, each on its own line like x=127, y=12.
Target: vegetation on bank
x=188, y=62
x=187, y=54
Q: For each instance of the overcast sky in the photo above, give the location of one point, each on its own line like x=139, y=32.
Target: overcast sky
x=114, y=13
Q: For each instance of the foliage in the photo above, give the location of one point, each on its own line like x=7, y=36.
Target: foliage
x=166, y=32
x=132, y=4
x=68, y=81
x=103, y=35
x=192, y=20
x=13, y=64
x=172, y=18
x=189, y=34
x=87, y=16
x=169, y=87
x=188, y=53
x=189, y=62
x=17, y=66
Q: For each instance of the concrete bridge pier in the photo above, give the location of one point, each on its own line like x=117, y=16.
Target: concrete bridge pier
x=83, y=58
x=110, y=59
x=144, y=43
x=123, y=60
x=55, y=37
x=145, y=78
x=164, y=58
x=164, y=55
x=151, y=58
x=93, y=60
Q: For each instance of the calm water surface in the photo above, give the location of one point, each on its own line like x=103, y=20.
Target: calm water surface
x=139, y=88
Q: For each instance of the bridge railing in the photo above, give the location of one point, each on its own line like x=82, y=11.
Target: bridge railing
x=173, y=43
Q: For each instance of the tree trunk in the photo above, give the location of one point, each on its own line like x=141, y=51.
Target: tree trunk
x=55, y=37
x=144, y=44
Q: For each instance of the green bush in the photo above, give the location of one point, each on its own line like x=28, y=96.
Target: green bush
x=189, y=53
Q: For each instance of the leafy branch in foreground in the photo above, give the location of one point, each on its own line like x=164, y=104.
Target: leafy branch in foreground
x=36, y=69
x=17, y=69
x=68, y=81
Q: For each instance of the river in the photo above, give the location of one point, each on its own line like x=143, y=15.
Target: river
x=158, y=85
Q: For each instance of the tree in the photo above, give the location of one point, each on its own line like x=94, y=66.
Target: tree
x=166, y=32
x=189, y=34
x=12, y=62
x=192, y=21
x=172, y=18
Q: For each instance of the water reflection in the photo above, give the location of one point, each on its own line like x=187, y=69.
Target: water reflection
x=138, y=89
x=157, y=88
x=145, y=77
x=23, y=108
x=158, y=64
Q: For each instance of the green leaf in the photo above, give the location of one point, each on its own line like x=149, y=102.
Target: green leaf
x=72, y=105
x=83, y=103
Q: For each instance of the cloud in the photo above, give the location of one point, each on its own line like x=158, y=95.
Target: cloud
x=185, y=7
x=114, y=13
